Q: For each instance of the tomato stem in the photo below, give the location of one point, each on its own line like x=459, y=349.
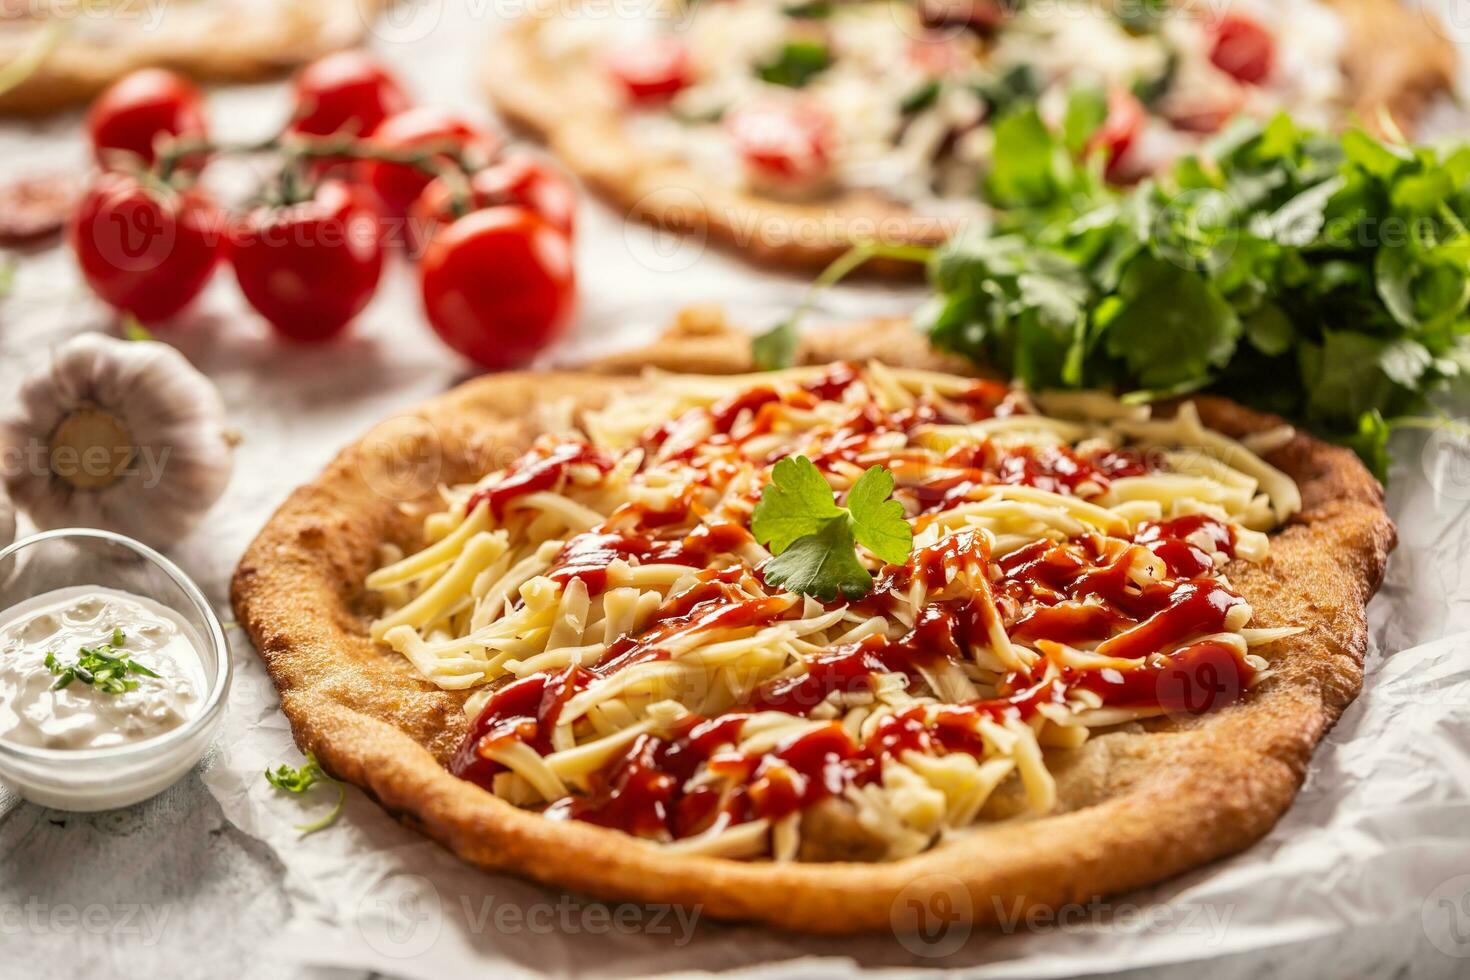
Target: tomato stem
x=437, y=160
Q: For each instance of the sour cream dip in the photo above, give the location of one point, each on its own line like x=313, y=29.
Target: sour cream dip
x=146, y=675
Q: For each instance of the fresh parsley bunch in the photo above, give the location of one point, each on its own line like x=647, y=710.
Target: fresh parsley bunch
x=1323, y=278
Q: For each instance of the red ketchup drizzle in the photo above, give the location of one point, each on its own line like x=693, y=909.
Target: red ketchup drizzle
x=1054, y=469
x=708, y=605
x=956, y=727
x=936, y=564
x=1195, y=679
x=1071, y=623
x=986, y=399
x=1184, y=558
x=833, y=383
x=534, y=473
x=642, y=793
x=938, y=633
x=723, y=415
x=1193, y=607
x=525, y=710
x=804, y=770
x=587, y=556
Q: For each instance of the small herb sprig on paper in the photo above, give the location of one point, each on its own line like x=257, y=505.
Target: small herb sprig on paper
x=297, y=781
x=103, y=667
x=815, y=540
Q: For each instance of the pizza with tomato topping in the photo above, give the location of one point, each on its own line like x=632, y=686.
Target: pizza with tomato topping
x=785, y=645
x=792, y=129
x=86, y=45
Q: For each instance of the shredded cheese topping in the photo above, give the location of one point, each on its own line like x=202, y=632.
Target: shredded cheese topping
x=603, y=598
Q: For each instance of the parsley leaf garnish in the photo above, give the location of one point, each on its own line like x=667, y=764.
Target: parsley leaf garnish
x=101, y=667
x=776, y=348
x=797, y=63
x=298, y=780
x=815, y=541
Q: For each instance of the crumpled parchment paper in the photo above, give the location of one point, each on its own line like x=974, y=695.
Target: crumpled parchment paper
x=1369, y=870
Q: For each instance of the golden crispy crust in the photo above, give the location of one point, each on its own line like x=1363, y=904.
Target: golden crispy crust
x=1396, y=59
x=260, y=47
x=1137, y=806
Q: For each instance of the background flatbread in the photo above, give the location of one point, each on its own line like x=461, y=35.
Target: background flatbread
x=1135, y=806
x=1397, y=58
x=236, y=42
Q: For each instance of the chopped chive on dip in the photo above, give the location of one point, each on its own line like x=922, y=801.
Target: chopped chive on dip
x=103, y=667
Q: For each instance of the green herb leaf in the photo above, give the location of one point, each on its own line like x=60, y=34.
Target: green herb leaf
x=920, y=98
x=1370, y=442
x=796, y=503
x=1341, y=262
x=821, y=565
x=1024, y=167
x=810, y=10
x=815, y=541
x=1014, y=88
x=1269, y=330
x=1141, y=16
x=878, y=521
x=102, y=668
x=796, y=64
x=1087, y=109
x=297, y=781
x=776, y=348
x=1173, y=325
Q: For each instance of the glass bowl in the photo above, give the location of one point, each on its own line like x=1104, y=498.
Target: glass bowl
x=118, y=775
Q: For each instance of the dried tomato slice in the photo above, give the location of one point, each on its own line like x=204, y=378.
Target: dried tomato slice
x=36, y=207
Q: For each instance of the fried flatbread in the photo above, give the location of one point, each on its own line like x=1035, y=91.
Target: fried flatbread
x=208, y=41
x=1396, y=59
x=1136, y=805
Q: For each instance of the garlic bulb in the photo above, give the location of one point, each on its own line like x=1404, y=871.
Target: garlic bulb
x=123, y=435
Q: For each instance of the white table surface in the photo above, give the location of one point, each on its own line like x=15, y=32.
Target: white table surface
x=170, y=888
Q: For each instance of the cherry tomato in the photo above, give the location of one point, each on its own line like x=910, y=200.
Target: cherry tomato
x=519, y=179
x=530, y=182
x=934, y=55
x=1125, y=120
x=1243, y=49
x=982, y=16
x=309, y=268
x=127, y=120
x=398, y=185
x=787, y=142
x=146, y=249
x=498, y=285
x=347, y=92
x=651, y=69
